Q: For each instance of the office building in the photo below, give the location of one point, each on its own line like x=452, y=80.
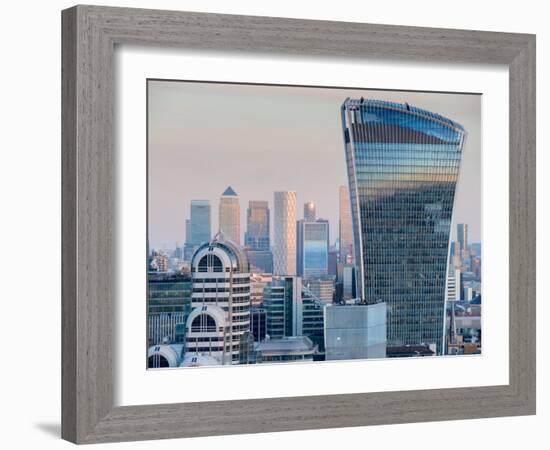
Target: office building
x=403, y=164
x=313, y=320
x=310, y=211
x=188, y=246
x=462, y=235
x=283, y=306
x=220, y=316
x=256, y=237
x=321, y=288
x=454, y=286
x=284, y=233
x=159, y=263
x=258, y=282
x=312, y=248
x=164, y=355
x=345, y=226
x=200, y=231
x=168, y=305
x=287, y=349
x=261, y=261
x=346, y=276
x=355, y=331
x=333, y=256
x=258, y=328
x=293, y=310
x=230, y=216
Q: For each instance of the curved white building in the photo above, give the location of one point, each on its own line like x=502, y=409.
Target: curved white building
x=220, y=302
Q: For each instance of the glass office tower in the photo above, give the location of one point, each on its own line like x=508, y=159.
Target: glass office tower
x=403, y=163
x=312, y=248
x=200, y=222
x=256, y=236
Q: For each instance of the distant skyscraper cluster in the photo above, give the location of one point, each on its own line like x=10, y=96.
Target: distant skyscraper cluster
x=463, y=318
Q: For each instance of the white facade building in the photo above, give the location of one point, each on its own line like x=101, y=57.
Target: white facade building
x=284, y=242
x=220, y=318
x=453, y=285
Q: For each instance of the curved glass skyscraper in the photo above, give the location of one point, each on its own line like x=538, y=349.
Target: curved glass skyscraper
x=403, y=163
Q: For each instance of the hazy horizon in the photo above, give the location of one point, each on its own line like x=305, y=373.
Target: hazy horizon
x=258, y=139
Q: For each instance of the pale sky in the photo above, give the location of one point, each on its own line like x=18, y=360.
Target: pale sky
x=260, y=139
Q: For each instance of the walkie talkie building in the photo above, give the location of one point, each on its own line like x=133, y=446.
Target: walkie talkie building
x=403, y=164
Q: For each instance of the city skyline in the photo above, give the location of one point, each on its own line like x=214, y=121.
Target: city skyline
x=274, y=290
x=177, y=145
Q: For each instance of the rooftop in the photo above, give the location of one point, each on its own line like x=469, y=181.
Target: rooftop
x=294, y=344
x=229, y=192
x=362, y=102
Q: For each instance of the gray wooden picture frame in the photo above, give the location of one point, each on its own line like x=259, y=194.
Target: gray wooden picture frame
x=90, y=34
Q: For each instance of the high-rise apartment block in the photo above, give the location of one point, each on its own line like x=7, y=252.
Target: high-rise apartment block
x=403, y=164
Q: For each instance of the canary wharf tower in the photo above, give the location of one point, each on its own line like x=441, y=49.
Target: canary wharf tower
x=403, y=163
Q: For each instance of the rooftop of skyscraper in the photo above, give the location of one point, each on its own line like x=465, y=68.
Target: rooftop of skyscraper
x=229, y=192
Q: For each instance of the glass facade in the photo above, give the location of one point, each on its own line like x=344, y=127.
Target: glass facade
x=312, y=248
x=293, y=310
x=313, y=321
x=260, y=261
x=284, y=233
x=257, y=226
x=403, y=163
x=274, y=304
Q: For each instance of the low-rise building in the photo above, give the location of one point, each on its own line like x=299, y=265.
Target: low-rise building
x=287, y=349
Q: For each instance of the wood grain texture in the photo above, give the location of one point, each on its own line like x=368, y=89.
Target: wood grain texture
x=89, y=36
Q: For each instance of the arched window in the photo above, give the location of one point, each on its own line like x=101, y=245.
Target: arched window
x=157, y=361
x=203, y=323
x=210, y=263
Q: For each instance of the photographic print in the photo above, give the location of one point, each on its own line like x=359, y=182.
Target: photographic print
x=292, y=224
